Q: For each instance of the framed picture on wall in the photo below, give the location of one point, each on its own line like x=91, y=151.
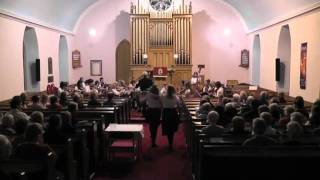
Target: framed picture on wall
x=96, y=67
x=244, y=58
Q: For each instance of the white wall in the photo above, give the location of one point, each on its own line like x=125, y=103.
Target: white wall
x=11, y=55
x=304, y=28
x=219, y=53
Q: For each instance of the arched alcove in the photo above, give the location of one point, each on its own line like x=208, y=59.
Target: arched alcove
x=30, y=54
x=63, y=59
x=123, y=60
x=284, y=53
x=255, y=76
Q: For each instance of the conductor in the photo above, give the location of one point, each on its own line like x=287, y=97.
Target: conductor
x=145, y=83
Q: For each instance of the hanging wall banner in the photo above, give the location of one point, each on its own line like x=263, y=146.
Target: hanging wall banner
x=303, y=65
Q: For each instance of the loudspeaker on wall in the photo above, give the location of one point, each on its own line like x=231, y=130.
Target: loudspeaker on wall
x=38, y=70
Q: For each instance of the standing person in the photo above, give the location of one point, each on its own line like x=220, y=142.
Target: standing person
x=145, y=83
x=170, y=115
x=154, y=105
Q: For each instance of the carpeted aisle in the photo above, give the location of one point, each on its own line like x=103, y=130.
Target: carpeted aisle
x=156, y=163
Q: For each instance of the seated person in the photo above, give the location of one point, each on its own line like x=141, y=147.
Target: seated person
x=24, y=103
x=294, y=133
x=264, y=98
x=229, y=113
x=7, y=126
x=109, y=101
x=219, y=91
x=54, y=105
x=36, y=105
x=93, y=100
x=77, y=98
x=288, y=110
x=80, y=84
x=20, y=128
x=238, y=126
x=213, y=130
x=5, y=148
x=203, y=111
x=282, y=98
x=16, y=109
x=37, y=117
x=258, y=138
x=63, y=101
x=299, y=106
x=33, y=147
x=276, y=112
x=263, y=108
x=44, y=101
x=315, y=117
x=267, y=117
x=53, y=135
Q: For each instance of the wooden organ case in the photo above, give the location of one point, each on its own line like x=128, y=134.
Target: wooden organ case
x=162, y=39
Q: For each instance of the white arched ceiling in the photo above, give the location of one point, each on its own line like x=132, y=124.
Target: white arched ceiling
x=64, y=14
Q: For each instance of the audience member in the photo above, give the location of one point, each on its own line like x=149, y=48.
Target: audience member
x=288, y=110
x=268, y=119
x=36, y=105
x=238, y=126
x=93, y=100
x=294, y=134
x=54, y=105
x=7, y=126
x=20, y=127
x=259, y=138
x=212, y=129
x=16, y=107
x=44, y=101
x=299, y=106
x=37, y=117
x=33, y=147
x=5, y=148
x=53, y=135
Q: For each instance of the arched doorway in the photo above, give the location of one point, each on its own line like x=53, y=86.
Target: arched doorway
x=63, y=59
x=255, y=76
x=123, y=60
x=30, y=54
x=284, y=53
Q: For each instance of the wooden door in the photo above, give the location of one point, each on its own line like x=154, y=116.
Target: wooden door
x=123, y=61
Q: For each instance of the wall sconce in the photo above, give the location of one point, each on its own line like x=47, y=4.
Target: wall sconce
x=176, y=57
x=145, y=58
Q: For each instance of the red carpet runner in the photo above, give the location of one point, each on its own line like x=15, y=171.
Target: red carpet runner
x=156, y=164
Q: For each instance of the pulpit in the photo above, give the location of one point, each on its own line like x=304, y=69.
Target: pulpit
x=163, y=34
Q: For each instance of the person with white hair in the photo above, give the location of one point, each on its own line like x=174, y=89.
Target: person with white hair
x=213, y=130
x=7, y=126
x=236, y=100
x=294, y=133
x=5, y=148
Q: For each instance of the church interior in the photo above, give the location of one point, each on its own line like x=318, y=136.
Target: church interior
x=159, y=89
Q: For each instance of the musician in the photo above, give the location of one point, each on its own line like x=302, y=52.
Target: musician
x=145, y=83
x=195, y=78
x=163, y=91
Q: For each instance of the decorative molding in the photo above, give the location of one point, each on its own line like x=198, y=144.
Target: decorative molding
x=286, y=17
x=33, y=22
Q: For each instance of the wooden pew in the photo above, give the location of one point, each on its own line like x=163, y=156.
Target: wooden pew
x=277, y=162
x=66, y=151
x=27, y=169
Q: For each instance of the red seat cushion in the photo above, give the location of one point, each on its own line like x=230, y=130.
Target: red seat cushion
x=122, y=143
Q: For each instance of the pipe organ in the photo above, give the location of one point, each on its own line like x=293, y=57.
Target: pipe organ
x=161, y=39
